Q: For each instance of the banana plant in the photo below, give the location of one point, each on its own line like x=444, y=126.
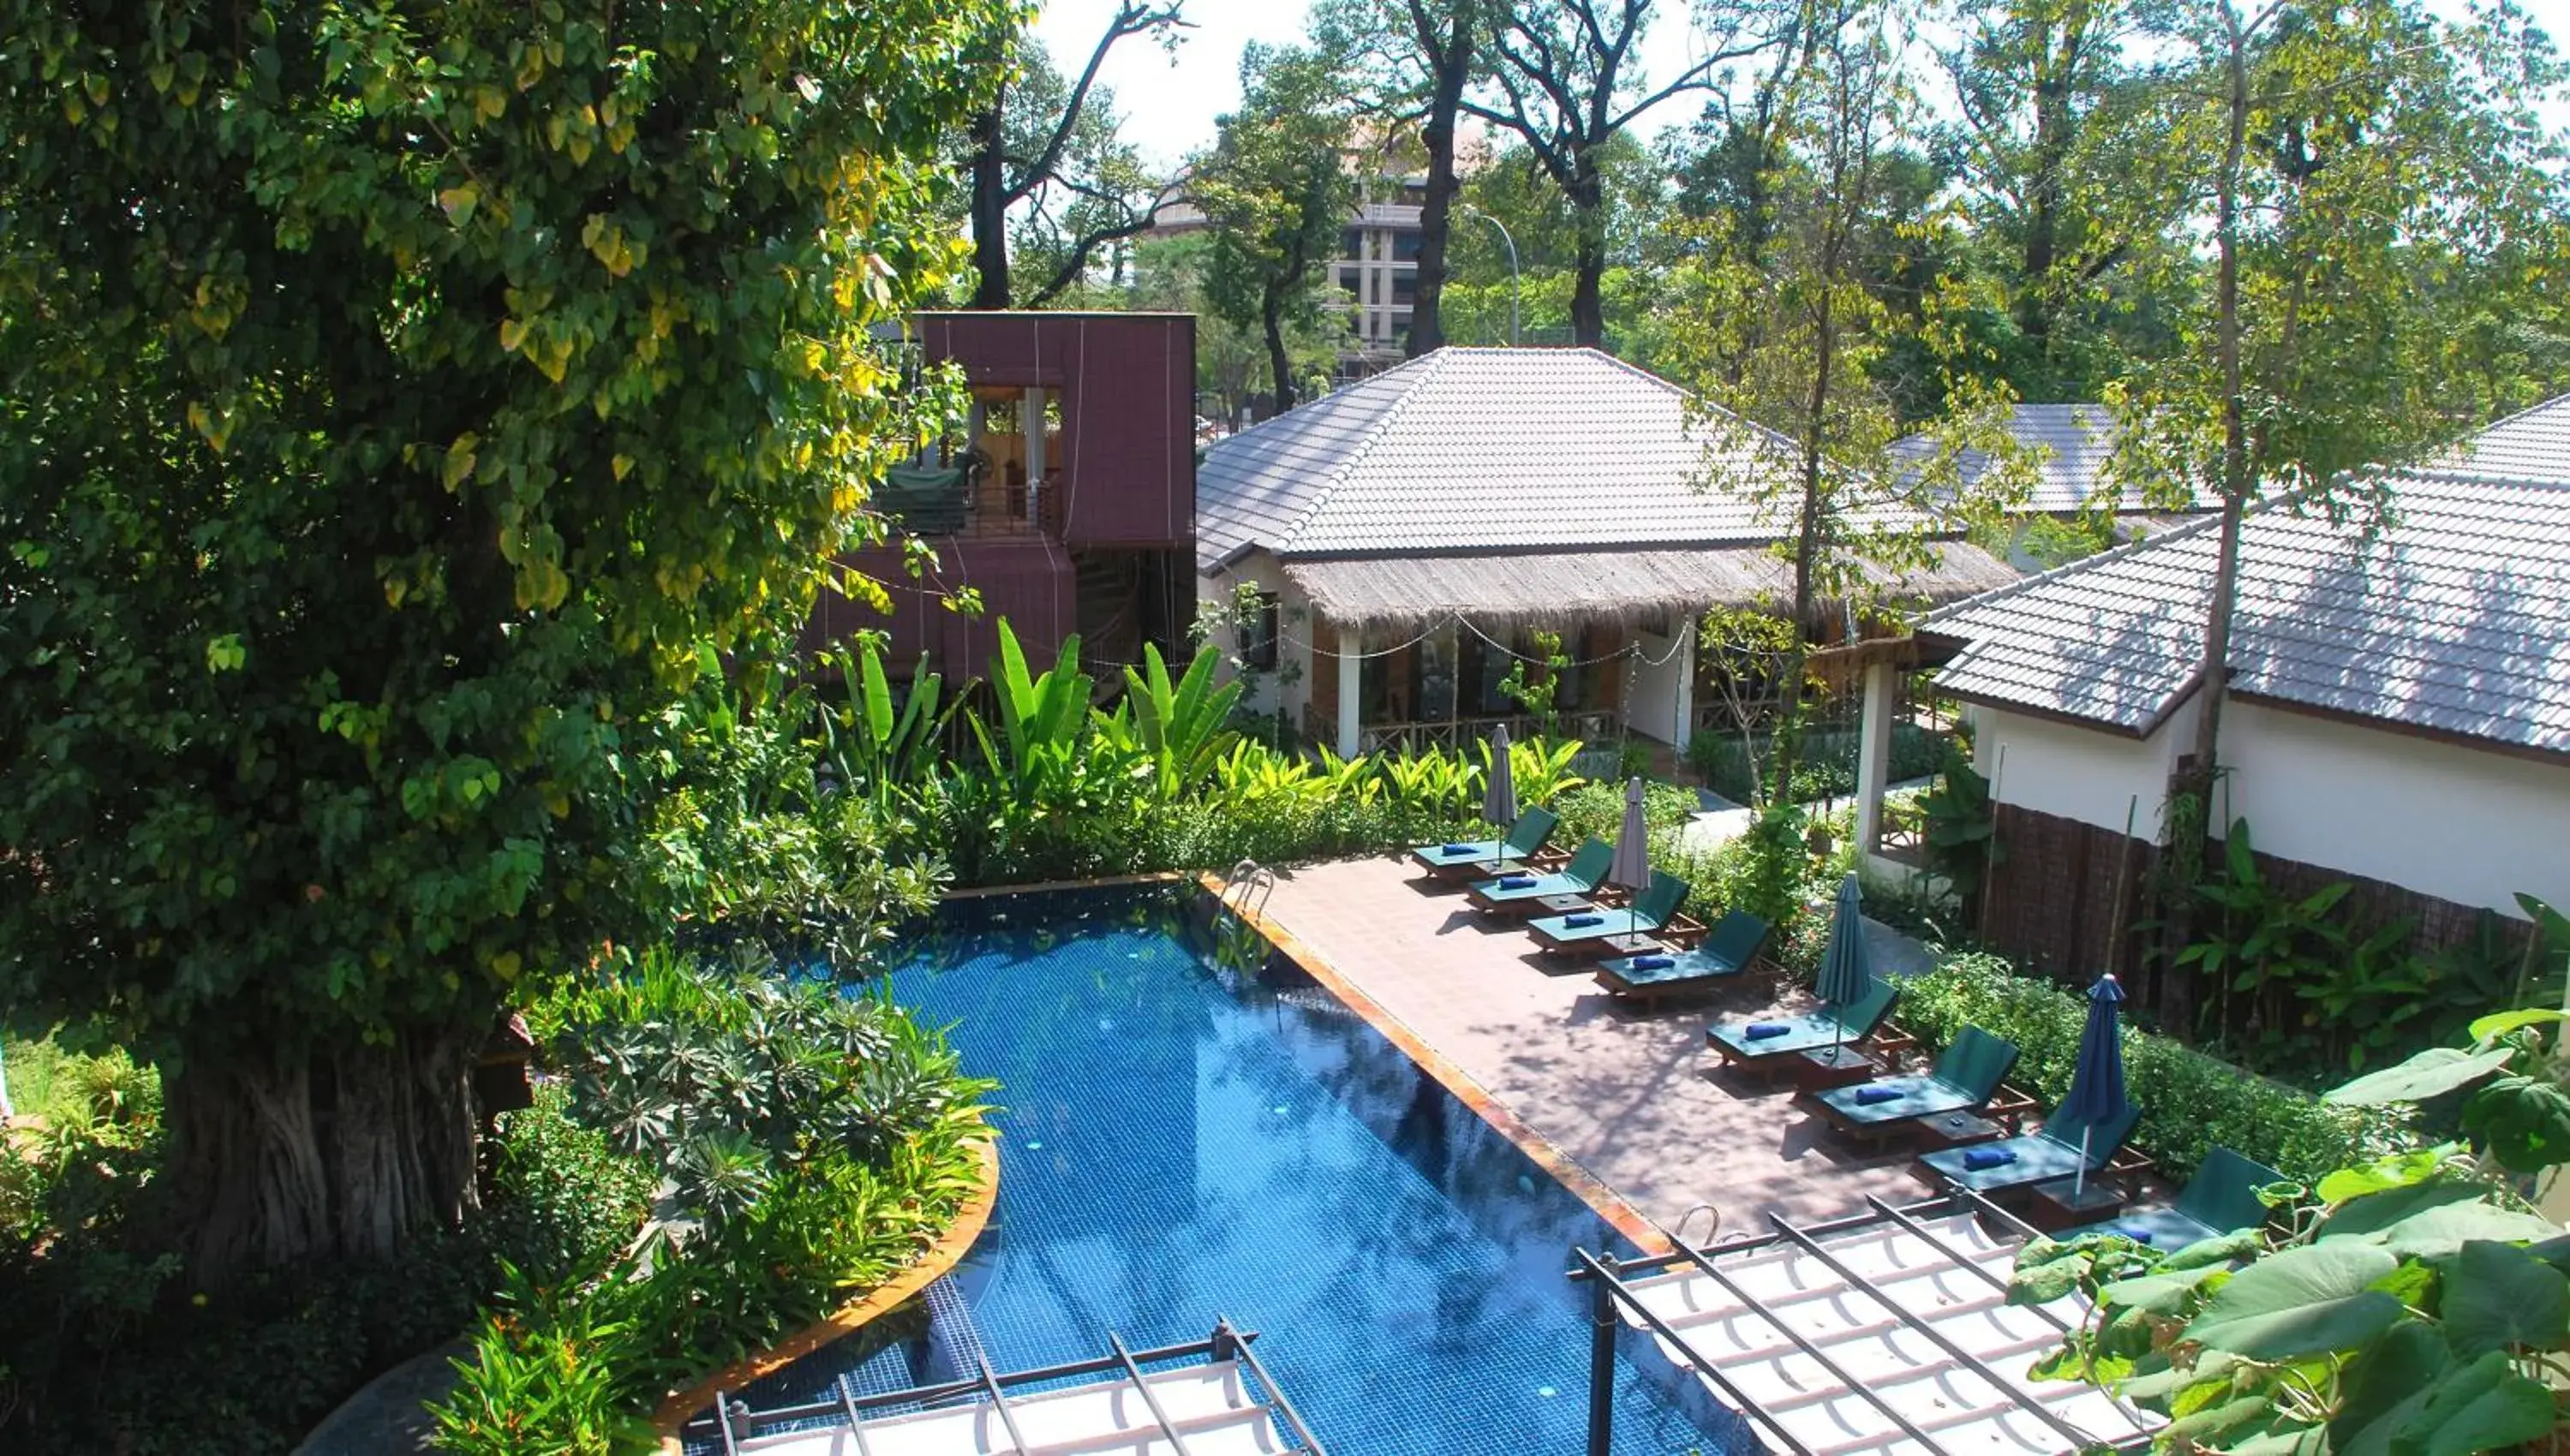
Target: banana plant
x=1042, y=720
x=869, y=743
x=1541, y=768
x=1254, y=773
x=1432, y=781
x=1180, y=728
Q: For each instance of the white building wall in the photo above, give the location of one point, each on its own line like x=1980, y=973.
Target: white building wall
x=2084, y=774
x=1653, y=706
x=2461, y=824
x=1293, y=634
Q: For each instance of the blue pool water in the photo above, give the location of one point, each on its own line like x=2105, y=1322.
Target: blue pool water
x=1184, y=1139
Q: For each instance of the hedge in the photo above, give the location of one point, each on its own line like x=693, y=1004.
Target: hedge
x=2189, y=1101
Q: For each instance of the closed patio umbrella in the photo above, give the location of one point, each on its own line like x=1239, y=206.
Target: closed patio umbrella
x=1846, y=967
x=2097, y=1078
x=1633, y=865
x=1500, y=801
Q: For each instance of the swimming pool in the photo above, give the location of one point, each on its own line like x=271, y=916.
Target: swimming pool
x=1184, y=1137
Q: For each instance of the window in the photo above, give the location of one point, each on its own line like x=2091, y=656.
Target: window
x=1405, y=247
x=1404, y=287
x=1352, y=243
x=1258, y=636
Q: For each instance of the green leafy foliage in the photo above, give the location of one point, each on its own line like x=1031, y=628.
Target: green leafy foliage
x=1962, y=826
x=2189, y=1100
x=480, y=372
x=808, y=1141
x=2415, y=1305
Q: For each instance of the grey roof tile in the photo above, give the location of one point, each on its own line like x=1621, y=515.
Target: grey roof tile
x=2072, y=445
x=2454, y=616
x=1486, y=450
x=2532, y=444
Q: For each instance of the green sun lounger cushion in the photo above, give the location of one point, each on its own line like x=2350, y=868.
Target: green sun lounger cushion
x=1746, y=1042
x=1727, y=952
x=1649, y=910
x=1963, y=1078
x=2219, y=1199
x=1487, y=856
x=1580, y=877
x=2037, y=1157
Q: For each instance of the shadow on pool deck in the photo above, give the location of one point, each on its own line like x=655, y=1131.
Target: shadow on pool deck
x=1629, y=1095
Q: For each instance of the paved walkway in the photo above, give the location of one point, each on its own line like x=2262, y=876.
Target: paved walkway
x=1631, y=1096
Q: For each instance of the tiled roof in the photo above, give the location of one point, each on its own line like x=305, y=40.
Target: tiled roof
x=1484, y=450
x=2072, y=444
x=2454, y=617
x=2533, y=445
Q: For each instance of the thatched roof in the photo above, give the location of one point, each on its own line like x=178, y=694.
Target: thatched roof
x=1567, y=586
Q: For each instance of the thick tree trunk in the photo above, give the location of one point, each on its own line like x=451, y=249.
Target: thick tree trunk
x=2055, y=128
x=1436, y=215
x=990, y=214
x=1588, y=195
x=346, y=1154
x=1280, y=369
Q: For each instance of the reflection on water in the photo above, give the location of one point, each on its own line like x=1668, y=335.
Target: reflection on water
x=1188, y=1134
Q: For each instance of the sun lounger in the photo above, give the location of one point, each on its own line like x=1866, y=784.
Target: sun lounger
x=1762, y=1046
x=1962, y=1079
x=1481, y=859
x=1518, y=893
x=1585, y=931
x=2221, y=1197
x=1726, y=951
x=2037, y=1157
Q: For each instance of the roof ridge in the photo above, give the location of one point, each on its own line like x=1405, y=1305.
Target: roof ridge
x=2090, y=562
x=1431, y=364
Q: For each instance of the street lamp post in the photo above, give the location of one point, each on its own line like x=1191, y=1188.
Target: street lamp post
x=1514, y=292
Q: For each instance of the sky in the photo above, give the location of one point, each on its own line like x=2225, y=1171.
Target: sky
x=1169, y=108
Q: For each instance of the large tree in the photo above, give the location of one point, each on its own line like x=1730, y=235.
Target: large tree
x=1050, y=149
x=1562, y=77
x=1417, y=57
x=403, y=407
x=1276, y=193
x=2373, y=186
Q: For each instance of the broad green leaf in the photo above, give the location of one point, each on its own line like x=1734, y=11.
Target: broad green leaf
x=2498, y=1296
x=2398, y=1171
x=2164, y=1292
x=2300, y=1301
x=2503, y=1022
x=2398, y=1367
x=2482, y=1406
x=2439, y=1232
x=2431, y=1073
x=2525, y=1121
x=2373, y=1213
x=2209, y=1367
x=2220, y=1251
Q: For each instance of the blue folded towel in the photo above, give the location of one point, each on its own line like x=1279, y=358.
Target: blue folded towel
x=1457, y=848
x=1868, y=1096
x=1651, y=962
x=1576, y=921
x=1978, y=1158
x=1515, y=882
x=1761, y=1030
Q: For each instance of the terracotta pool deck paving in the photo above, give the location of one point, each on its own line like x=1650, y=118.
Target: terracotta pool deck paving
x=1629, y=1095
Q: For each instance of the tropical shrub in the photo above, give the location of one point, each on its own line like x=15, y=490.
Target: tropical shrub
x=1825, y=769
x=811, y=1142
x=2413, y=1305
x=2189, y=1100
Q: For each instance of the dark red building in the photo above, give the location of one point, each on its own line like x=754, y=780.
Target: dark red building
x=1093, y=531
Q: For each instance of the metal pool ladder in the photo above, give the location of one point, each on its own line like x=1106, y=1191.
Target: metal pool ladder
x=1249, y=877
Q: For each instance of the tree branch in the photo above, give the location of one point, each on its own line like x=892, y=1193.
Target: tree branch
x=1132, y=17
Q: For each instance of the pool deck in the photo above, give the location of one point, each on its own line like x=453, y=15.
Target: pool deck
x=1631, y=1096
